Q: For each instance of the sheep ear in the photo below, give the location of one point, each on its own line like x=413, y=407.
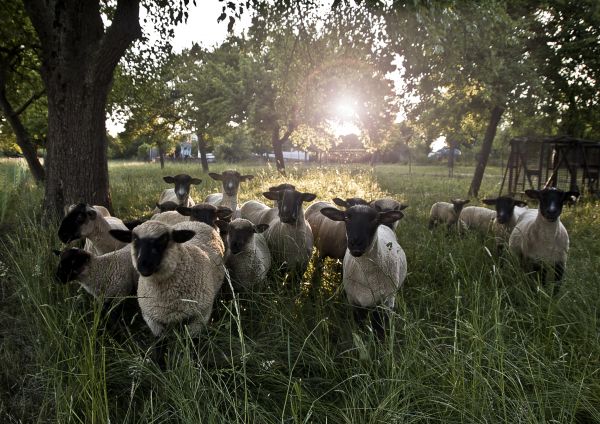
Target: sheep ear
x=132, y=224
x=271, y=195
x=195, y=181
x=215, y=176
x=340, y=202
x=308, y=197
x=261, y=228
x=181, y=236
x=534, y=194
x=490, y=201
x=389, y=217
x=246, y=177
x=520, y=203
x=222, y=225
x=121, y=235
x=570, y=195
x=334, y=214
x=401, y=207
x=169, y=180
x=184, y=210
x=56, y=252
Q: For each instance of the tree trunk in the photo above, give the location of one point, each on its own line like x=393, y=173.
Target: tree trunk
x=278, y=151
x=486, y=148
x=451, y=161
x=79, y=56
x=23, y=138
x=161, y=157
x=202, y=150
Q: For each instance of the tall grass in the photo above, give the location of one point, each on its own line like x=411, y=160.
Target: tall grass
x=472, y=339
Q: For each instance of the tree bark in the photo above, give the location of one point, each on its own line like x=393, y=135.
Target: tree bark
x=22, y=136
x=202, y=149
x=486, y=148
x=78, y=60
x=161, y=157
x=278, y=151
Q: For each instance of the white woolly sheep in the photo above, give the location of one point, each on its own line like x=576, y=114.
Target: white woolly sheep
x=106, y=276
x=388, y=204
x=180, y=194
x=476, y=218
x=248, y=257
x=231, y=183
x=539, y=239
x=447, y=213
x=375, y=265
x=84, y=221
x=329, y=236
x=178, y=282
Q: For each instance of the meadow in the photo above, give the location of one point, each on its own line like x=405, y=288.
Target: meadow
x=473, y=339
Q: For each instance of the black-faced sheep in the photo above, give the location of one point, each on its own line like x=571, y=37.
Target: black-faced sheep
x=181, y=193
x=231, y=183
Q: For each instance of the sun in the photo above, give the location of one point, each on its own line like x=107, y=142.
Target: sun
x=344, y=117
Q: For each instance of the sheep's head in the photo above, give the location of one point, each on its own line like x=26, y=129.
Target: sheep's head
x=290, y=203
x=240, y=232
x=361, y=225
x=282, y=186
x=207, y=213
x=551, y=201
x=352, y=201
x=75, y=224
x=387, y=204
x=149, y=243
x=167, y=206
x=505, y=207
x=231, y=181
x=183, y=183
x=73, y=264
x=458, y=205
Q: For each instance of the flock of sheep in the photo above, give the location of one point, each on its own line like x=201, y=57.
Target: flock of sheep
x=177, y=261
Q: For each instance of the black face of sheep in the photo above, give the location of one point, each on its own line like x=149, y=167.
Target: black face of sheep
x=551, y=201
x=290, y=203
x=70, y=227
x=182, y=185
x=458, y=205
x=206, y=213
x=167, y=206
x=72, y=264
x=149, y=251
x=240, y=232
x=361, y=225
x=231, y=180
x=505, y=207
x=348, y=203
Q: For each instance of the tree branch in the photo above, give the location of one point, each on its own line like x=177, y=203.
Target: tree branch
x=41, y=18
x=28, y=102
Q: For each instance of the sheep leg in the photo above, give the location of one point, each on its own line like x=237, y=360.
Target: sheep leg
x=360, y=314
x=379, y=321
x=559, y=270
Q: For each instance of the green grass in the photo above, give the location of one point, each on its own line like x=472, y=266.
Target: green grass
x=472, y=339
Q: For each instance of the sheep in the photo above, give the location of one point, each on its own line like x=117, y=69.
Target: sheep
x=476, y=218
x=387, y=204
x=329, y=236
x=178, y=282
x=84, y=221
x=374, y=265
x=181, y=193
x=106, y=276
x=282, y=186
x=167, y=206
x=209, y=214
x=231, y=183
x=248, y=257
x=445, y=212
x=507, y=212
x=539, y=238
x=289, y=236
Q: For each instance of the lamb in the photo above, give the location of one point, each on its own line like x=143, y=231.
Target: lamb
x=329, y=236
x=178, y=282
x=289, y=236
x=476, y=218
x=105, y=277
x=181, y=193
x=374, y=265
x=539, y=238
x=84, y=221
x=387, y=204
x=444, y=212
x=248, y=257
x=231, y=183
x=508, y=211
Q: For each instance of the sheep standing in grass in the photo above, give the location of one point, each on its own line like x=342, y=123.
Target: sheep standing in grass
x=387, y=204
x=289, y=236
x=248, y=257
x=508, y=211
x=84, y=221
x=231, y=183
x=329, y=236
x=539, y=238
x=447, y=213
x=375, y=264
x=106, y=276
x=178, y=282
x=181, y=193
